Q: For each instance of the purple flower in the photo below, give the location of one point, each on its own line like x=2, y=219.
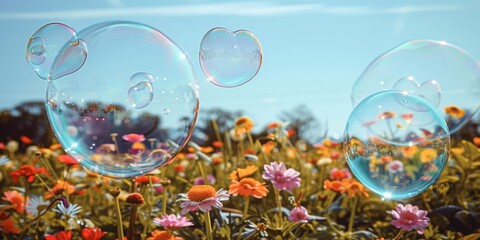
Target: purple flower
x=203, y=198
x=200, y=180
x=280, y=177
x=172, y=222
x=409, y=217
x=299, y=214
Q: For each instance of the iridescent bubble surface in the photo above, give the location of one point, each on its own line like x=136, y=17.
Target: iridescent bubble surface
x=396, y=144
x=45, y=46
x=230, y=59
x=444, y=74
x=110, y=113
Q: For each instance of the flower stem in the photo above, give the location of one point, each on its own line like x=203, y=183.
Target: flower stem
x=164, y=201
x=208, y=225
x=245, y=210
x=279, y=205
x=131, y=226
x=202, y=172
x=399, y=235
x=352, y=215
x=119, y=219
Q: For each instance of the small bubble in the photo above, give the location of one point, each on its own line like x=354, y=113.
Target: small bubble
x=166, y=111
x=140, y=95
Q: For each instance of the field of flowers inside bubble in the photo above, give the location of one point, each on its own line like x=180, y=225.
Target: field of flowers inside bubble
x=239, y=187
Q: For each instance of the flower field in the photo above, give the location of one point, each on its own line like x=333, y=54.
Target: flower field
x=271, y=186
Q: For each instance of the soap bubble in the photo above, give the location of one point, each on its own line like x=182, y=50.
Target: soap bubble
x=116, y=101
x=230, y=59
x=396, y=144
x=445, y=75
x=44, y=47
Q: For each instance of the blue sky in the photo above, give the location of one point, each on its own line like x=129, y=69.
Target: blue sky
x=313, y=50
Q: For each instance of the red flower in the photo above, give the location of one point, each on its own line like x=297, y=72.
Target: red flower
x=67, y=160
x=144, y=179
x=92, y=233
x=2, y=146
x=26, y=140
x=217, y=144
x=60, y=236
x=28, y=171
x=8, y=226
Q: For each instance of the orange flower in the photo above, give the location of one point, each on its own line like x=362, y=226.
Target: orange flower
x=217, y=144
x=454, y=111
x=206, y=149
x=476, y=140
x=336, y=186
x=16, y=199
x=8, y=226
x=60, y=236
x=140, y=180
x=409, y=152
x=60, y=188
x=268, y=147
x=243, y=172
x=163, y=235
x=428, y=155
x=199, y=193
x=67, y=160
x=26, y=140
x=354, y=188
x=386, y=115
x=55, y=146
x=386, y=159
x=244, y=124
x=248, y=187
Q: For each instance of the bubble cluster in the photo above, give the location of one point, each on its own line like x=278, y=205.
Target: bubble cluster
x=445, y=75
x=230, y=59
x=129, y=107
x=54, y=51
x=396, y=144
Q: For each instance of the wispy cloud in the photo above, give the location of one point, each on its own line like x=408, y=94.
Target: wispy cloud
x=226, y=9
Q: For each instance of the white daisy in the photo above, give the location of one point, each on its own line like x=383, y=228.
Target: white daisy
x=33, y=204
x=71, y=211
x=4, y=160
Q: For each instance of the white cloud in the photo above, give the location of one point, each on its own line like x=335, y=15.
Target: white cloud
x=225, y=9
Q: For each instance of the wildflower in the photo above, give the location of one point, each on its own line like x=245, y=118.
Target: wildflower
x=60, y=236
x=244, y=124
x=243, y=172
x=354, y=188
x=28, y=171
x=8, y=226
x=476, y=141
x=407, y=116
x=2, y=146
x=26, y=140
x=34, y=204
x=386, y=159
x=202, y=197
x=248, y=187
x=60, y=188
x=339, y=174
x=428, y=155
x=336, y=186
x=71, y=210
x=280, y=177
x=16, y=199
x=217, y=144
x=395, y=166
x=260, y=227
x=217, y=158
x=409, y=151
x=12, y=146
x=237, y=135
x=324, y=161
x=409, y=217
x=135, y=198
x=454, y=111
x=200, y=181
x=141, y=180
x=386, y=115
x=55, y=146
x=172, y=222
x=92, y=233
x=299, y=214
x=134, y=138
x=163, y=235
x=4, y=160
x=67, y=160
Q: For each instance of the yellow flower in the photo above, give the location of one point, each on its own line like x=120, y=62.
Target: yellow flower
x=454, y=111
x=409, y=152
x=428, y=155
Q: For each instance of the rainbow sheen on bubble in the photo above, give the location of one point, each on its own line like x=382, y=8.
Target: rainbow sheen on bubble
x=45, y=46
x=444, y=74
x=396, y=144
x=230, y=59
x=130, y=107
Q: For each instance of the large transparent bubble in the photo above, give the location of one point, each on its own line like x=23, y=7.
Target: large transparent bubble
x=230, y=59
x=131, y=106
x=445, y=75
x=396, y=144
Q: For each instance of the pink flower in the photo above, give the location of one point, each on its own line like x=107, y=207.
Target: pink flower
x=133, y=137
x=200, y=180
x=299, y=214
x=395, y=166
x=202, y=197
x=172, y=222
x=280, y=177
x=409, y=217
